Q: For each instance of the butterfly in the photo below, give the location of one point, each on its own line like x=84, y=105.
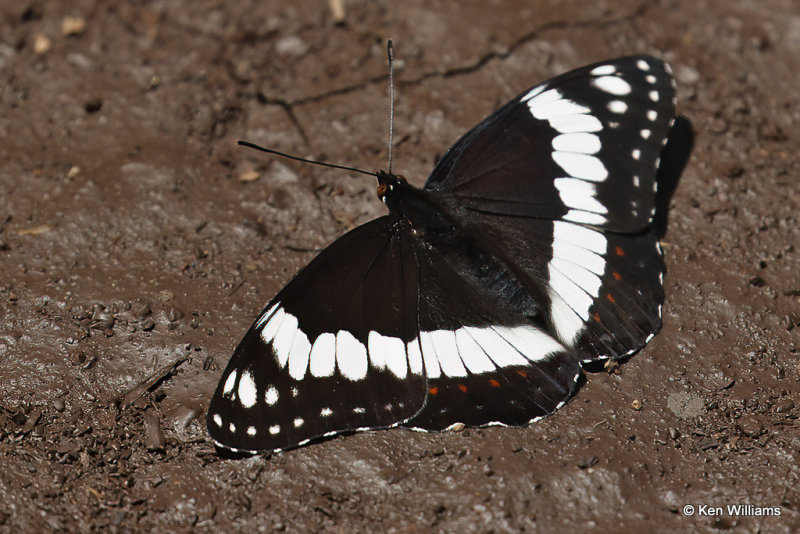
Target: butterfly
x=476, y=300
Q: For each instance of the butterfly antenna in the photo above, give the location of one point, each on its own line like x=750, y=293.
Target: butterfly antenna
x=304, y=160
x=390, y=54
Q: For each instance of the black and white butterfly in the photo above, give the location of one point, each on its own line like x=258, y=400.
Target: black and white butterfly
x=528, y=252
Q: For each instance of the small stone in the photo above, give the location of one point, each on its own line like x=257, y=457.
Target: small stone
x=73, y=172
x=588, y=461
x=291, y=45
x=750, y=426
x=174, y=314
x=148, y=324
x=72, y=26
x=153, y=436
x=93, y=105
x=59, y=405
x=249, y=176
x=41, y=44
x=784, y=405
x=674, y=433
x=636, y=404
x=140, y=310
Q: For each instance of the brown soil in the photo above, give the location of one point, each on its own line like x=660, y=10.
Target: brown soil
x=130, y=237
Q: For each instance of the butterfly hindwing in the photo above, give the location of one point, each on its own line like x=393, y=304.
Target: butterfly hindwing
x=329, y=354
x=581, y=147
x=487, y=359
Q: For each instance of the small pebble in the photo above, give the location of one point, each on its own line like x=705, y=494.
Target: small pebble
x=41, y=44
x=750, y=426
x=174, y=314
x=153, y=436
x=93, y=105
x=71, y=26
x=636, y=404
x=59, y=405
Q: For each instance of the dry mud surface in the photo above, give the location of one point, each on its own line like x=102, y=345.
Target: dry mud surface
x=134, y=233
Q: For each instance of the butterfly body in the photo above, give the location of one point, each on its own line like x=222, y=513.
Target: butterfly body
x=476, y=298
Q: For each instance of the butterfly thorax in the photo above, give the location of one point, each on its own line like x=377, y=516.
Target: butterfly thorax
x=416, y=207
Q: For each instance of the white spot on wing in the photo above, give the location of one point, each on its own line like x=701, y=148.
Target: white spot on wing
x=351, y=356
x=572, y=294
x=298, y=356
x=229, y=383
x=271, y=396
x=584, y=217
x=576, y=123
x=578, y=194
x=266, y=315
x=583, y=278
x=566, y=322
x=497, y=348
x=582, y=142
x=581, y=165
x=612, y=84
x=392, y=352
x=652, y=115
x=579, y=235
x=251, y=431
x=271, y=328
x=645, y=133
x=282, y=343
x=531, y=342
x=247, y=390
x=578, y=255
x=325, y=412
x=414, y=357
x=473, y=356
x=653, y=95
x=217, y=419
x=557, y=108
x=539, y=98
x=533, y=92
x=298, y=422
x=274, y=429
x=617, y=106
x=432, y=368
x=603, y=70
x=636, y=154
x=446, y=350
x=643, y=65
x=322, y=360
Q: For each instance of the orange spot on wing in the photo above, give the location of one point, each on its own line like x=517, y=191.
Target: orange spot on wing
x=494, y=383
x=597, y=317
x=616, y=275
x=619, y=251
x=522, y=373
x=463, y=388
x=610, y=297
x=434, y=390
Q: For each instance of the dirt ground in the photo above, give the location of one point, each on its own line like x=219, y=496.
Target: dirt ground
x=134, y=234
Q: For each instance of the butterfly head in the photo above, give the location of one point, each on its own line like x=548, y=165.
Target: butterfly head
x=389, y=186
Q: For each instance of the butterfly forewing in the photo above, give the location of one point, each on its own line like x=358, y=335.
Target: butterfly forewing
x=329, y=353
x=581, y=147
